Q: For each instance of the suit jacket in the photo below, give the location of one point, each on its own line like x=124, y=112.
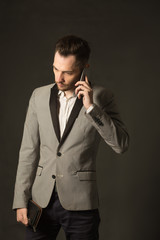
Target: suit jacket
x=70, y=161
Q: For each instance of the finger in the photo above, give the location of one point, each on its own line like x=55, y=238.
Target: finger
x=79, y=88
x=82, y=83
x=83, y=89
x=86, y=79
x=22, y=217
x=80, y=94
x=19, y=217
x=25, y=221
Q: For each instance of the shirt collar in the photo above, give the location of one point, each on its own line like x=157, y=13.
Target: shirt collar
x=62, y=95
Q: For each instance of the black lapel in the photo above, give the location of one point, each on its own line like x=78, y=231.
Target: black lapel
x=53, y=109
x=74, y=114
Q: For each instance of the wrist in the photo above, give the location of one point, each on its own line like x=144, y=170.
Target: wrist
x=89, y=109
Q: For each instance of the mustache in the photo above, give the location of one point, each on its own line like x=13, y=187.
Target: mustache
x=60, y=83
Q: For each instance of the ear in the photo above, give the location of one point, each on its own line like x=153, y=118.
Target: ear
x=87, y=65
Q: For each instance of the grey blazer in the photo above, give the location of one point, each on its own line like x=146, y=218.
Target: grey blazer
x=70, y=161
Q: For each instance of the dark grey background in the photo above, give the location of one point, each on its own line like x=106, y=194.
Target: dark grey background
x=124, y=37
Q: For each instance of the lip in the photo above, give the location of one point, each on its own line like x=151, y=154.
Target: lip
x=60, y=84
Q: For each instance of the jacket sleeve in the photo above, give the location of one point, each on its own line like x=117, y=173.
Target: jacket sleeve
x=106, y=119
x=28, y=157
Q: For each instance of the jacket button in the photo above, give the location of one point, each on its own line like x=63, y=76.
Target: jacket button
x=53, y=176
x=59, y=154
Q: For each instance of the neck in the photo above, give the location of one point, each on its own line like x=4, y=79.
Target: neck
x=69, y=93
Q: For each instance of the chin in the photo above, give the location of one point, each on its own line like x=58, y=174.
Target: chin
x=64, y=88
x=60, y=86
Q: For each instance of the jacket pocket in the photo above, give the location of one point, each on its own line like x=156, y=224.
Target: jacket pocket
x=39, y=171
x=87, y=176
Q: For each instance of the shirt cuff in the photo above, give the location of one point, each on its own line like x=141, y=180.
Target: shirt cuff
x=90, y=108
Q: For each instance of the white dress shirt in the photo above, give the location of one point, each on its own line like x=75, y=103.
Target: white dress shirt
x=65, y=108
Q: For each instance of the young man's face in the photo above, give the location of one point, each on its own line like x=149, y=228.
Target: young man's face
x=66, y=72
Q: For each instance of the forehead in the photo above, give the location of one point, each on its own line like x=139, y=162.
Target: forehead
x=64, y=63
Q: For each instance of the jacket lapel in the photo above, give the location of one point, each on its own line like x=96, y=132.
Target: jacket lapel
x=54, y=114
x=74, y=114
x=54, y=111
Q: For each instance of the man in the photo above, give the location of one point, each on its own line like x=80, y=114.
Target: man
x=57, y=161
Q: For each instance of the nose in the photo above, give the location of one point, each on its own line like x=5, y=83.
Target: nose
x=59, y=77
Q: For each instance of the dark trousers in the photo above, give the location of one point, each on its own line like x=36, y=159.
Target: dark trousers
x=77, y=225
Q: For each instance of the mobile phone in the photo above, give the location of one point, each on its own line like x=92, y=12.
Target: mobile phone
x=82, y=78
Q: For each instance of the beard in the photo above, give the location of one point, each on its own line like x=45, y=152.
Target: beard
x=67, y=87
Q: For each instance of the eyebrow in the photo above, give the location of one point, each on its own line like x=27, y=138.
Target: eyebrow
x=63, y=71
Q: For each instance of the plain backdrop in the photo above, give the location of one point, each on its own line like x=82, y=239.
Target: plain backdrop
x=125, y=40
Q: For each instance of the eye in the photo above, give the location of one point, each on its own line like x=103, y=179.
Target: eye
x=69, y=73
x=55, y=69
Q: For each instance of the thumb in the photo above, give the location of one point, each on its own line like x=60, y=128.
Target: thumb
x=86, y=79
x=25, y=220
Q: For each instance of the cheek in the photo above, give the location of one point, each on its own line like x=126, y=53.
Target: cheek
x=55, y=73
x=70, y=80
x=75, y=79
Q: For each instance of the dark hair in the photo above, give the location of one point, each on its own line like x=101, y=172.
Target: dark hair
x=73, y=45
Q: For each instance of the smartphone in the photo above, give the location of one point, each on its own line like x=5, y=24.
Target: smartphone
x=82, y=78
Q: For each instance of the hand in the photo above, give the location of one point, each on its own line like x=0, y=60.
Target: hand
x=83, y=89
x=22, y=216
